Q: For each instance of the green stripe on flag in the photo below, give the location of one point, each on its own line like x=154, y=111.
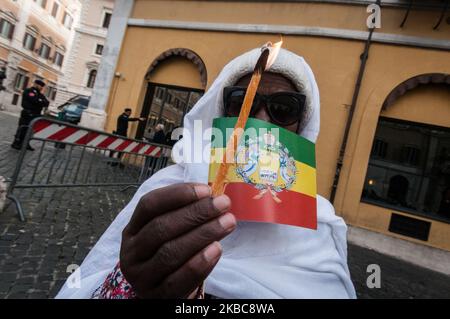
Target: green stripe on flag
x=302, y=149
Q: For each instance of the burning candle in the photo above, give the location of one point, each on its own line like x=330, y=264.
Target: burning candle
x=268, y=55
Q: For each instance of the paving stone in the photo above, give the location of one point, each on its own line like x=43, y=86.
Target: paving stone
x=5, y=286
x=9, y=268
x=28, y=272
x=25, y=281
x=5, y=243
x=44, y=275
x=20, y=289
x=8, y=277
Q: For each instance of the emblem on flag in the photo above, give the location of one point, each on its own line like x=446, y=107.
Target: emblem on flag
x=273, y=174
x=266, y=164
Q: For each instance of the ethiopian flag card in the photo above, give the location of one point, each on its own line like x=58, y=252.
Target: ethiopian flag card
x=272, y=177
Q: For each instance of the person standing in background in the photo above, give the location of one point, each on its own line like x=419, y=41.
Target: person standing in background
x=159, y=137
x=122, y=122
x=33, y=102
x=122, y=129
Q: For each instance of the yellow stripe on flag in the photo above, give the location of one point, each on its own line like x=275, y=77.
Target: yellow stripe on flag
x=305, y=181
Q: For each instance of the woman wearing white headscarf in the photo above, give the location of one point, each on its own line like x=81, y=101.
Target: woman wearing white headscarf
x=253, y=260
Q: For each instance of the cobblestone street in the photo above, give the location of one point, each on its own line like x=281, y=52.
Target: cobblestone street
x=64, y=223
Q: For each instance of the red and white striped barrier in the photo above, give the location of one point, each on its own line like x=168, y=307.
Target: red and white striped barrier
x=48, y=130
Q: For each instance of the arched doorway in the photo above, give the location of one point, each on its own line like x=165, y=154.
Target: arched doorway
x=174, y=82
x=409, y=166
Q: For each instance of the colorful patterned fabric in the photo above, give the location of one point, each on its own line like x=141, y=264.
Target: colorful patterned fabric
x=115, y=287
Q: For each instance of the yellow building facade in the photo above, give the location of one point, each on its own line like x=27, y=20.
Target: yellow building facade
x=383, y=153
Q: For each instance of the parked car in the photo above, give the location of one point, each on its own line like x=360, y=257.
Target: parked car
x=71, y=110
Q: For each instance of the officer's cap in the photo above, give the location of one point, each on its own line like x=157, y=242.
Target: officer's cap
x=39, y=82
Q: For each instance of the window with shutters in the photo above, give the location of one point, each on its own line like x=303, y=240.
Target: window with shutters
x=67, y=20
x=21, y=82
x=91, y=79
x=58, y=59
x=41, y=3
x=6, y=29
x=99, y=49
x=29, y=42
x=55, y=9
x=106, y=19
x=44, y=51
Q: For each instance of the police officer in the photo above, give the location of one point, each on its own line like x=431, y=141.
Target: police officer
x=122, y=122
x=122, y=129
x=33, y=101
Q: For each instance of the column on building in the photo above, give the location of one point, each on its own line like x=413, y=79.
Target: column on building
x=95, y=116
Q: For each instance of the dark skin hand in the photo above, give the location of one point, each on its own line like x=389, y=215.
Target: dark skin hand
x=171, y=243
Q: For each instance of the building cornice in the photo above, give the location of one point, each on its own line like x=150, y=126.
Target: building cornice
x=418, y=4
x=387, y=38
x=32, y=59
x=91, y=31
x=44, y=17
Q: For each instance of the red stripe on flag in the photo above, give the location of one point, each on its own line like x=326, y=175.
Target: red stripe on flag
x=294, y=209
x=62, y=134
x=106, y=142
x=123, y=145
x=87, y=138
x=40, y=125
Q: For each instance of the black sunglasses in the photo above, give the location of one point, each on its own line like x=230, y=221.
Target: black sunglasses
x=284, y=108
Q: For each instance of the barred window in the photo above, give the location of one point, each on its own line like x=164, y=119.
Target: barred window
x=413, y=173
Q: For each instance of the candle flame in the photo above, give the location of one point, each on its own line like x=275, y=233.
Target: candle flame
x=274, y=50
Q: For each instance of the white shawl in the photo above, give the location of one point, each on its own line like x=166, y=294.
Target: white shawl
x=259, y=260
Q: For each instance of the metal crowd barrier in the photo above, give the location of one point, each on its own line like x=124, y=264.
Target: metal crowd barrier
x=68, y=155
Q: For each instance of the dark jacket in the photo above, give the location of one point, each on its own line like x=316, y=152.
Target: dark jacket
x=159, y=137
x=122, y=124
x=34, y=101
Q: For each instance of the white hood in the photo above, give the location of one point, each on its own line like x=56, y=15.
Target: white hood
x=259, y=260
